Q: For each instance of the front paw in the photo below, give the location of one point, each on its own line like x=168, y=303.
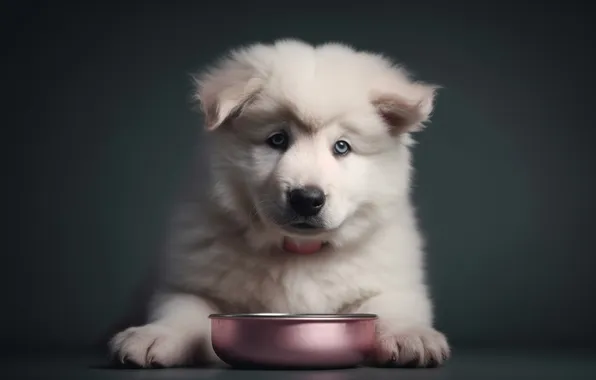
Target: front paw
x=154, y=346
x=411, y=347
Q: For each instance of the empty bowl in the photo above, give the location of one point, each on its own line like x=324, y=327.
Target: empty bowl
x=293, y=340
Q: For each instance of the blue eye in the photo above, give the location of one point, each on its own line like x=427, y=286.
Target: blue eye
x=278, y=140
x=341, y=148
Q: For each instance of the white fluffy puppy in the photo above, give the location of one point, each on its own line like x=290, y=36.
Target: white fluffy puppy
x=307, y=208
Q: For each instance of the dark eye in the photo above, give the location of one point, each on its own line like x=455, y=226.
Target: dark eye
x=341, y=148
x=278, y=140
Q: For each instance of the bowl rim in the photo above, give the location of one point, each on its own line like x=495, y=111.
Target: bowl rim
x=297, y=316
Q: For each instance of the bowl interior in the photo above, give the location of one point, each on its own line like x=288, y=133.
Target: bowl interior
x=286, y=316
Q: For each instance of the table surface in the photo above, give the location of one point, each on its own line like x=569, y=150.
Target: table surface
x=468, y=364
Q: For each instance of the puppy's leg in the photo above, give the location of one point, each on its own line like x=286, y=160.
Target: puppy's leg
x=178, y=334
x=405, y=336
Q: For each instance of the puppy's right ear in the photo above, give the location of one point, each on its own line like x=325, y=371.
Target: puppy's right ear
x=224, y=90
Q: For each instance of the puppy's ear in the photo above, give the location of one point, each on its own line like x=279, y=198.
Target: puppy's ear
x=224, y=90
x=406, y=112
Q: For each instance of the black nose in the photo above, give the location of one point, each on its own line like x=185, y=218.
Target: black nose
x=306, y=201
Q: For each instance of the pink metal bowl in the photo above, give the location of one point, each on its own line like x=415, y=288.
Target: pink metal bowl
x=293, y=340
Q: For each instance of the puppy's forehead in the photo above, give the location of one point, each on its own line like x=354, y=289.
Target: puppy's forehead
x=320, y=85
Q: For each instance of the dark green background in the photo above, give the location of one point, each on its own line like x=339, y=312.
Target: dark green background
x=104, y=132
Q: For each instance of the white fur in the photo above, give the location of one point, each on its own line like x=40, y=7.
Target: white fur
x=225, y=250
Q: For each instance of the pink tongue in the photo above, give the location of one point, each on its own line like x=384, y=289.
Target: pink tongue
x=302, y=247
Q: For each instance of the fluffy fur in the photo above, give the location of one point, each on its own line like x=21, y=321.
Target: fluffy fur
x=225, y=252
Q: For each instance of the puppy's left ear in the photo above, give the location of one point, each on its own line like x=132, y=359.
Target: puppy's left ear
x=223, y=91
x=408, y=110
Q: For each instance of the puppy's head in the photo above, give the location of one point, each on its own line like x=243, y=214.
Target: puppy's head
x=312, y=139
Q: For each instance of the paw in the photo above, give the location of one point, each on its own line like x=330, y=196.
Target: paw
x=154, y=346
x=411, y=347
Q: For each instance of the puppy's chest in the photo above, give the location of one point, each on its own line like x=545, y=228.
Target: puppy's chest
x=295, y=286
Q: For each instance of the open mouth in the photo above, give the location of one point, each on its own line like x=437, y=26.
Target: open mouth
x=304, y=237
x=304, y=226
x=303, y=246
